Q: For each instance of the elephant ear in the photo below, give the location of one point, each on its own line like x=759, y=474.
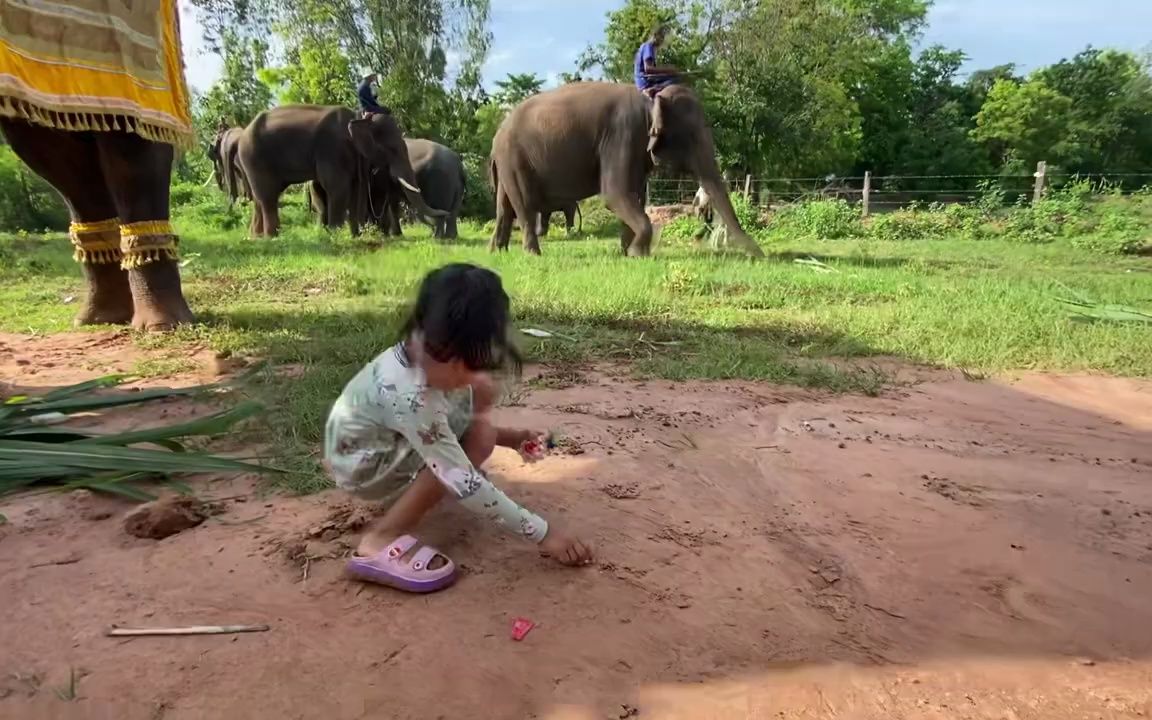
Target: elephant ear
x=361, y=133
x=656, y=128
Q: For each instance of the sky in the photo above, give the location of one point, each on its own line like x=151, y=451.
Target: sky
x=546, y=36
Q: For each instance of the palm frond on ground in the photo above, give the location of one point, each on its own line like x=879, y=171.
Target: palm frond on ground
x=35, y=452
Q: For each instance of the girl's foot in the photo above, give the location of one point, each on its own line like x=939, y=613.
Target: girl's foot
x=407, y=565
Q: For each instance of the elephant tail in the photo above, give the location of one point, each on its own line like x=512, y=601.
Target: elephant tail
x=493, y=174
x=459, y=201
x=229, y=172
x=580, y=214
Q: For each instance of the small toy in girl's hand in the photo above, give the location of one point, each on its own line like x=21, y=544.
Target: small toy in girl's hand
x=534, y=450
x=521, y=627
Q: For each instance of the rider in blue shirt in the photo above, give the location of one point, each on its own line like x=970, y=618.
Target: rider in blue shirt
x=651, y=78
x=367, y=97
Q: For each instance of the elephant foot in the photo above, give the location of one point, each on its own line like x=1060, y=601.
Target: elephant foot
x=159, y=299
x=636, y=251
x=152, y=319
x=109, y=299
x=93, y=314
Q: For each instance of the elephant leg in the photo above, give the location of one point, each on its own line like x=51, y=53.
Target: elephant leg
x=544, y=224
x=70, y=163
x=630, y=209
x=570, y=220
x=529, y=215
x=627, y=236
x=394, y=212
x=137, y=173
x=256, y=224
x=266, y=215
x=502, y=235
x=451, y=231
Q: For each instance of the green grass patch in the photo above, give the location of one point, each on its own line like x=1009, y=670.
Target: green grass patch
x=325, y=304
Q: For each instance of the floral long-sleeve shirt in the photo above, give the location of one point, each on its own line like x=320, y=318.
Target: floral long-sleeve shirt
x=388, y=423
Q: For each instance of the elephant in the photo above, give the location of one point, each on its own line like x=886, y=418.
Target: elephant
x=114, y=183
x=582, y=139
x=329, y=146
x=570, y=212
x=226, y=166
x=440, y=176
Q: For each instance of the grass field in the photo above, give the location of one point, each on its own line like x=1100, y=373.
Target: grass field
x=328, y=303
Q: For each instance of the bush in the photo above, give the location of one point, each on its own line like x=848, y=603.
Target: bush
x=821, y=219
x=27, y=202
x=479, y=201
x=827, y=219
x=1119, y=230
x=747, y=213
x=598, y=219
x=682, y=228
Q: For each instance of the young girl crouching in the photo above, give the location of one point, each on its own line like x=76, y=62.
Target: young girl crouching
x=416, y=421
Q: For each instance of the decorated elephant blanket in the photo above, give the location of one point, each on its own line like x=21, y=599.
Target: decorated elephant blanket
x=95, y=65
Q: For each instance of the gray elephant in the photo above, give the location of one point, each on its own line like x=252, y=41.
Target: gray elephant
x=440, y=174
x=330, y=146
x=226, y=168
x=583, y=139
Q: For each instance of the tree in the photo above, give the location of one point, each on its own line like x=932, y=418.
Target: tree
x=239, y=95
x=1023, y=123
x=517, y=87
x=938, y=140
x=407, y=44
x=1110, y=120
x=690, y=23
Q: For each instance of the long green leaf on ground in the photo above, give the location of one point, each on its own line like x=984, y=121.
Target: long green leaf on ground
x=15, y=453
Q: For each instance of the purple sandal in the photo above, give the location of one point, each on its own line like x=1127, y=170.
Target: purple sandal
x=389, y=567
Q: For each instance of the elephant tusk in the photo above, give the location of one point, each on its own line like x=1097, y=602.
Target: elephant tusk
x=407, y=185
x=210, y=179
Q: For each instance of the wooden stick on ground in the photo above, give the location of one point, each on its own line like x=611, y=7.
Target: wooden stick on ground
x=192, y=630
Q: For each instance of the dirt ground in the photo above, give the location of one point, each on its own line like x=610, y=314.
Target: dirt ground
x=952, y=549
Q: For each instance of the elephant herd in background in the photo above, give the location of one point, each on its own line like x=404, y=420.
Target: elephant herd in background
x=347, y=179
x=552, y=151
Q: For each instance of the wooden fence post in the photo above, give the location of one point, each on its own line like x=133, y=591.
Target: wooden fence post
x=748, y=188
x=1041, y=181
x=867, y=199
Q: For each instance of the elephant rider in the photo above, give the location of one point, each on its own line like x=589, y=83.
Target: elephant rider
x=367, y=97
x=651, y=78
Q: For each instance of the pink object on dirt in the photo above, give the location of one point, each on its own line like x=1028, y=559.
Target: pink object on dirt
x=521, y=627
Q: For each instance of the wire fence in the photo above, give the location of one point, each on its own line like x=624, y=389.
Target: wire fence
x=881, y=193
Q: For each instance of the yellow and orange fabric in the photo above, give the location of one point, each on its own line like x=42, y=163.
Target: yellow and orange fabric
x=95, y=65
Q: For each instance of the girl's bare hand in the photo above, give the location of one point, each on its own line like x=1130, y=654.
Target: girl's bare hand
x=566, y=548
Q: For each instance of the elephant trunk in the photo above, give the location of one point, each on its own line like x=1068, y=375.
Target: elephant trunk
x=407, y=182
x=717, y=191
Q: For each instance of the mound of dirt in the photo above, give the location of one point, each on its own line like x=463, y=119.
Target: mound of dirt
x=165, y=517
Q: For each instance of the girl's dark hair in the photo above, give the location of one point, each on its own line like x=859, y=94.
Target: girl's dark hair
x=463, y=314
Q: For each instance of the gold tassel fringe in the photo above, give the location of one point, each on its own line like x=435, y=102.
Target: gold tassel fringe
x=146, y=227
x=147, y=242
x=103, y=226
x=80, y=121
x=140, y=259
x=96, y=243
